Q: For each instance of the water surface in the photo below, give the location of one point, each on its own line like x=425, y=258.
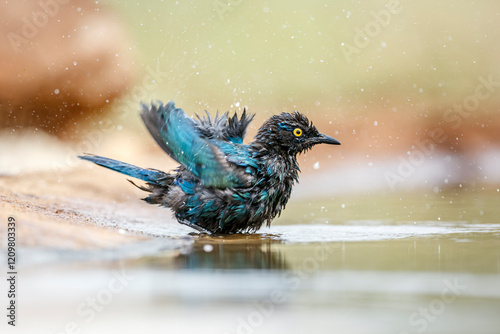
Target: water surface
x=421, y=263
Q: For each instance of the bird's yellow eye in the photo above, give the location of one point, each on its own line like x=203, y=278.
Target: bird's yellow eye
x=297, y=132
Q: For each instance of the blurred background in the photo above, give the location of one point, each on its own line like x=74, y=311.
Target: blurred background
x=382, y=77
x=410, y=88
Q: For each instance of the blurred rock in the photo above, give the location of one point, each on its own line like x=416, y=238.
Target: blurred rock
x=60, y=61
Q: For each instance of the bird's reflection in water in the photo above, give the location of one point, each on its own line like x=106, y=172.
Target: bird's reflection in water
x=237, y=251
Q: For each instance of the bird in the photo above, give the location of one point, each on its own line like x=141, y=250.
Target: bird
x=222, y=185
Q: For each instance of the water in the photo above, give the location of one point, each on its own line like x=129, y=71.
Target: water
x=313, y=270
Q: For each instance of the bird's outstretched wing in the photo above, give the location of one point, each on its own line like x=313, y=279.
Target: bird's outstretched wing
x=236, y=129
x=177, y=134
x=224, y=127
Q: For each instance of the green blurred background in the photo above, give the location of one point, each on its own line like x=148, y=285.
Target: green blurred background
x=275, y=55
x=380, y=76
x=384, y=85
x=377, y=75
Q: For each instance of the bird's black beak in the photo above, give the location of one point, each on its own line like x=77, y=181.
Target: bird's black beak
x=324, y=139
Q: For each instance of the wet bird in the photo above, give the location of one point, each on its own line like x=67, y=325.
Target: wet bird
x=222, y=185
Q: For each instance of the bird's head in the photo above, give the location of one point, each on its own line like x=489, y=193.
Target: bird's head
x=291, y=133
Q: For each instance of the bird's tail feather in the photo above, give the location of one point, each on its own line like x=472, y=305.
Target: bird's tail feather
x=148, y=175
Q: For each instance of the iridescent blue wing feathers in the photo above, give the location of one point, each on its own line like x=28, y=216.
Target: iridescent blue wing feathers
x=181, y=138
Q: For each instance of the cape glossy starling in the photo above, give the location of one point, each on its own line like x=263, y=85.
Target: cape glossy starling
x=222, y=185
